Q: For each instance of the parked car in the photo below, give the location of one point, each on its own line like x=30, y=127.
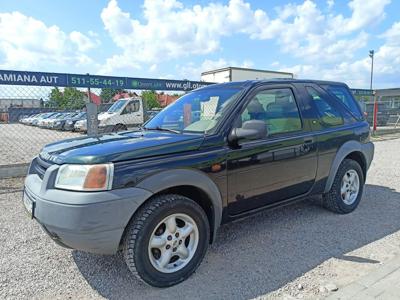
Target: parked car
x=37, y=121
x=219, y=153
x=28, y=119
x=59, y=122
x=80, y=125
x=70, y=122
x=123, y=114
x=46, y=122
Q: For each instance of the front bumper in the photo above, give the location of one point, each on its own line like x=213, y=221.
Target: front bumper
x=57, y=126
x=68, y=126
x=79, y=127
x=88, y=221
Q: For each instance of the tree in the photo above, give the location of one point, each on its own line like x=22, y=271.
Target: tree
x=107, y=94
x=70, y=98
x=73, y=98
x=55, y=97
x=150, y=99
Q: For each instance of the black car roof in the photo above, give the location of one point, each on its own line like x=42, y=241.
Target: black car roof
x=249, y=83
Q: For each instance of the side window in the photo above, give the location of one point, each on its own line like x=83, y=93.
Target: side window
x=277, y=108
x=327, y=113
x=342, y=94
x=133, y=106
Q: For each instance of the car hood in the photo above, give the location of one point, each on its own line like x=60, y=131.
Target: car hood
x=119, y=146
x=105, y=115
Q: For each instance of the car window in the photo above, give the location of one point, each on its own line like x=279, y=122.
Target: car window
x=277, y=108
x=199, y=111
x=329, y=115
x=133, y=106
x=344, y=96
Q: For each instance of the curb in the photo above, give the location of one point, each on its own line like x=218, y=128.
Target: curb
x=15, y=170
x=370, y=284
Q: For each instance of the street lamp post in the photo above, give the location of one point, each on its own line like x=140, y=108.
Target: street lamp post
x=371, y=54
x=375, y=121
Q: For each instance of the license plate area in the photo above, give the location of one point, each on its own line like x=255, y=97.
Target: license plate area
x=29, y=205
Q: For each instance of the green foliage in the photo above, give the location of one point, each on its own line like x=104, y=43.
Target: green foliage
x=55, y=98
x=107, y=94
x=150, y=99
x=70, y=98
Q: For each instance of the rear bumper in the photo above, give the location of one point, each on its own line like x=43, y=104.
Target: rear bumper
x=88, y=221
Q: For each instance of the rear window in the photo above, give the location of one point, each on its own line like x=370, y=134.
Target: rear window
x=343, y=94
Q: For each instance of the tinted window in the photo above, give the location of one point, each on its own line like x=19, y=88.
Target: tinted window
x=327, y=113
x=343, y=94
x=277, y=108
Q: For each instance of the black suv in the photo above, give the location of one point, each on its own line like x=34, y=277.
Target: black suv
x=219, y=153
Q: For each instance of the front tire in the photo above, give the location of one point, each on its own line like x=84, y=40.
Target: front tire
x=347, y=188
x=166, y=240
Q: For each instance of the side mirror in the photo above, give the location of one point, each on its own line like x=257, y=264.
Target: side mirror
x=250, y=130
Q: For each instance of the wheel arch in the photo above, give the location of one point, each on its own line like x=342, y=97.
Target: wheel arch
x=193, y=184
x=361, y=153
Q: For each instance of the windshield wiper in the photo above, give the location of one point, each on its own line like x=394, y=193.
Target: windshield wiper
x=162, y=129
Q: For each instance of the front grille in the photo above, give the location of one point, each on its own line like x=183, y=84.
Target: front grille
x=39, y=167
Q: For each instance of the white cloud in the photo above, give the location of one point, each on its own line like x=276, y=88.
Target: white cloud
x=330, y=3
x=26, y=42
x=193, y=71
x=357, y=72
x=83, y=42
x=119, y=65
x=171, y=30
x=364, y=13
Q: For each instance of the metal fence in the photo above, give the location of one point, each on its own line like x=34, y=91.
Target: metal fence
x=41, y=108
x=384, y=113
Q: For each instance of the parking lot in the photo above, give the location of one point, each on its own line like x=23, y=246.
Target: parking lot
x=19, y=143
x=294, y=251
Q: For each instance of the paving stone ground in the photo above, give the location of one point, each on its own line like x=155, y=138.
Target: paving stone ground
x=382, y=283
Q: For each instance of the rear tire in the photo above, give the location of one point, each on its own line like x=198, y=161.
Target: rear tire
x=166, y=240
x=347, y=188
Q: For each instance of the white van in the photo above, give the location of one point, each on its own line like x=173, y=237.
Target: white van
x=124, y=113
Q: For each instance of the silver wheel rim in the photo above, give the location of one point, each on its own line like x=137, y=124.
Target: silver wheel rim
x=173, y=243
x=350, y=187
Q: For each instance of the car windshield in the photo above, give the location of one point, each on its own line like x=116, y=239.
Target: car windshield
x=47, y=115
x=116, y=106
x=199, y=111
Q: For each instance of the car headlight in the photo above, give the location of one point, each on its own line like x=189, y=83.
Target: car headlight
x=85, y=177
x=103, y=122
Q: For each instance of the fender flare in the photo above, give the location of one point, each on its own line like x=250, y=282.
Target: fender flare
x=178, y=177
x=367, y=150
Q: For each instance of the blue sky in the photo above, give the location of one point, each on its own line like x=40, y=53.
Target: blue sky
x=180, y=39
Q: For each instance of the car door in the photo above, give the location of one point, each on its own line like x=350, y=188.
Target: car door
x=281, y=165
x=132, y=114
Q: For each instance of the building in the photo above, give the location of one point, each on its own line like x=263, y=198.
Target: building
x=123, y=95
x=93, y=97
x=238, y=74
x=165, y=99
x=6, y=103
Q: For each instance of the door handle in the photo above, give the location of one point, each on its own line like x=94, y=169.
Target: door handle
x=308, y=140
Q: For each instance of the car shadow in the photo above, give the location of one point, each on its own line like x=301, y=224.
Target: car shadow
x=257, y=255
